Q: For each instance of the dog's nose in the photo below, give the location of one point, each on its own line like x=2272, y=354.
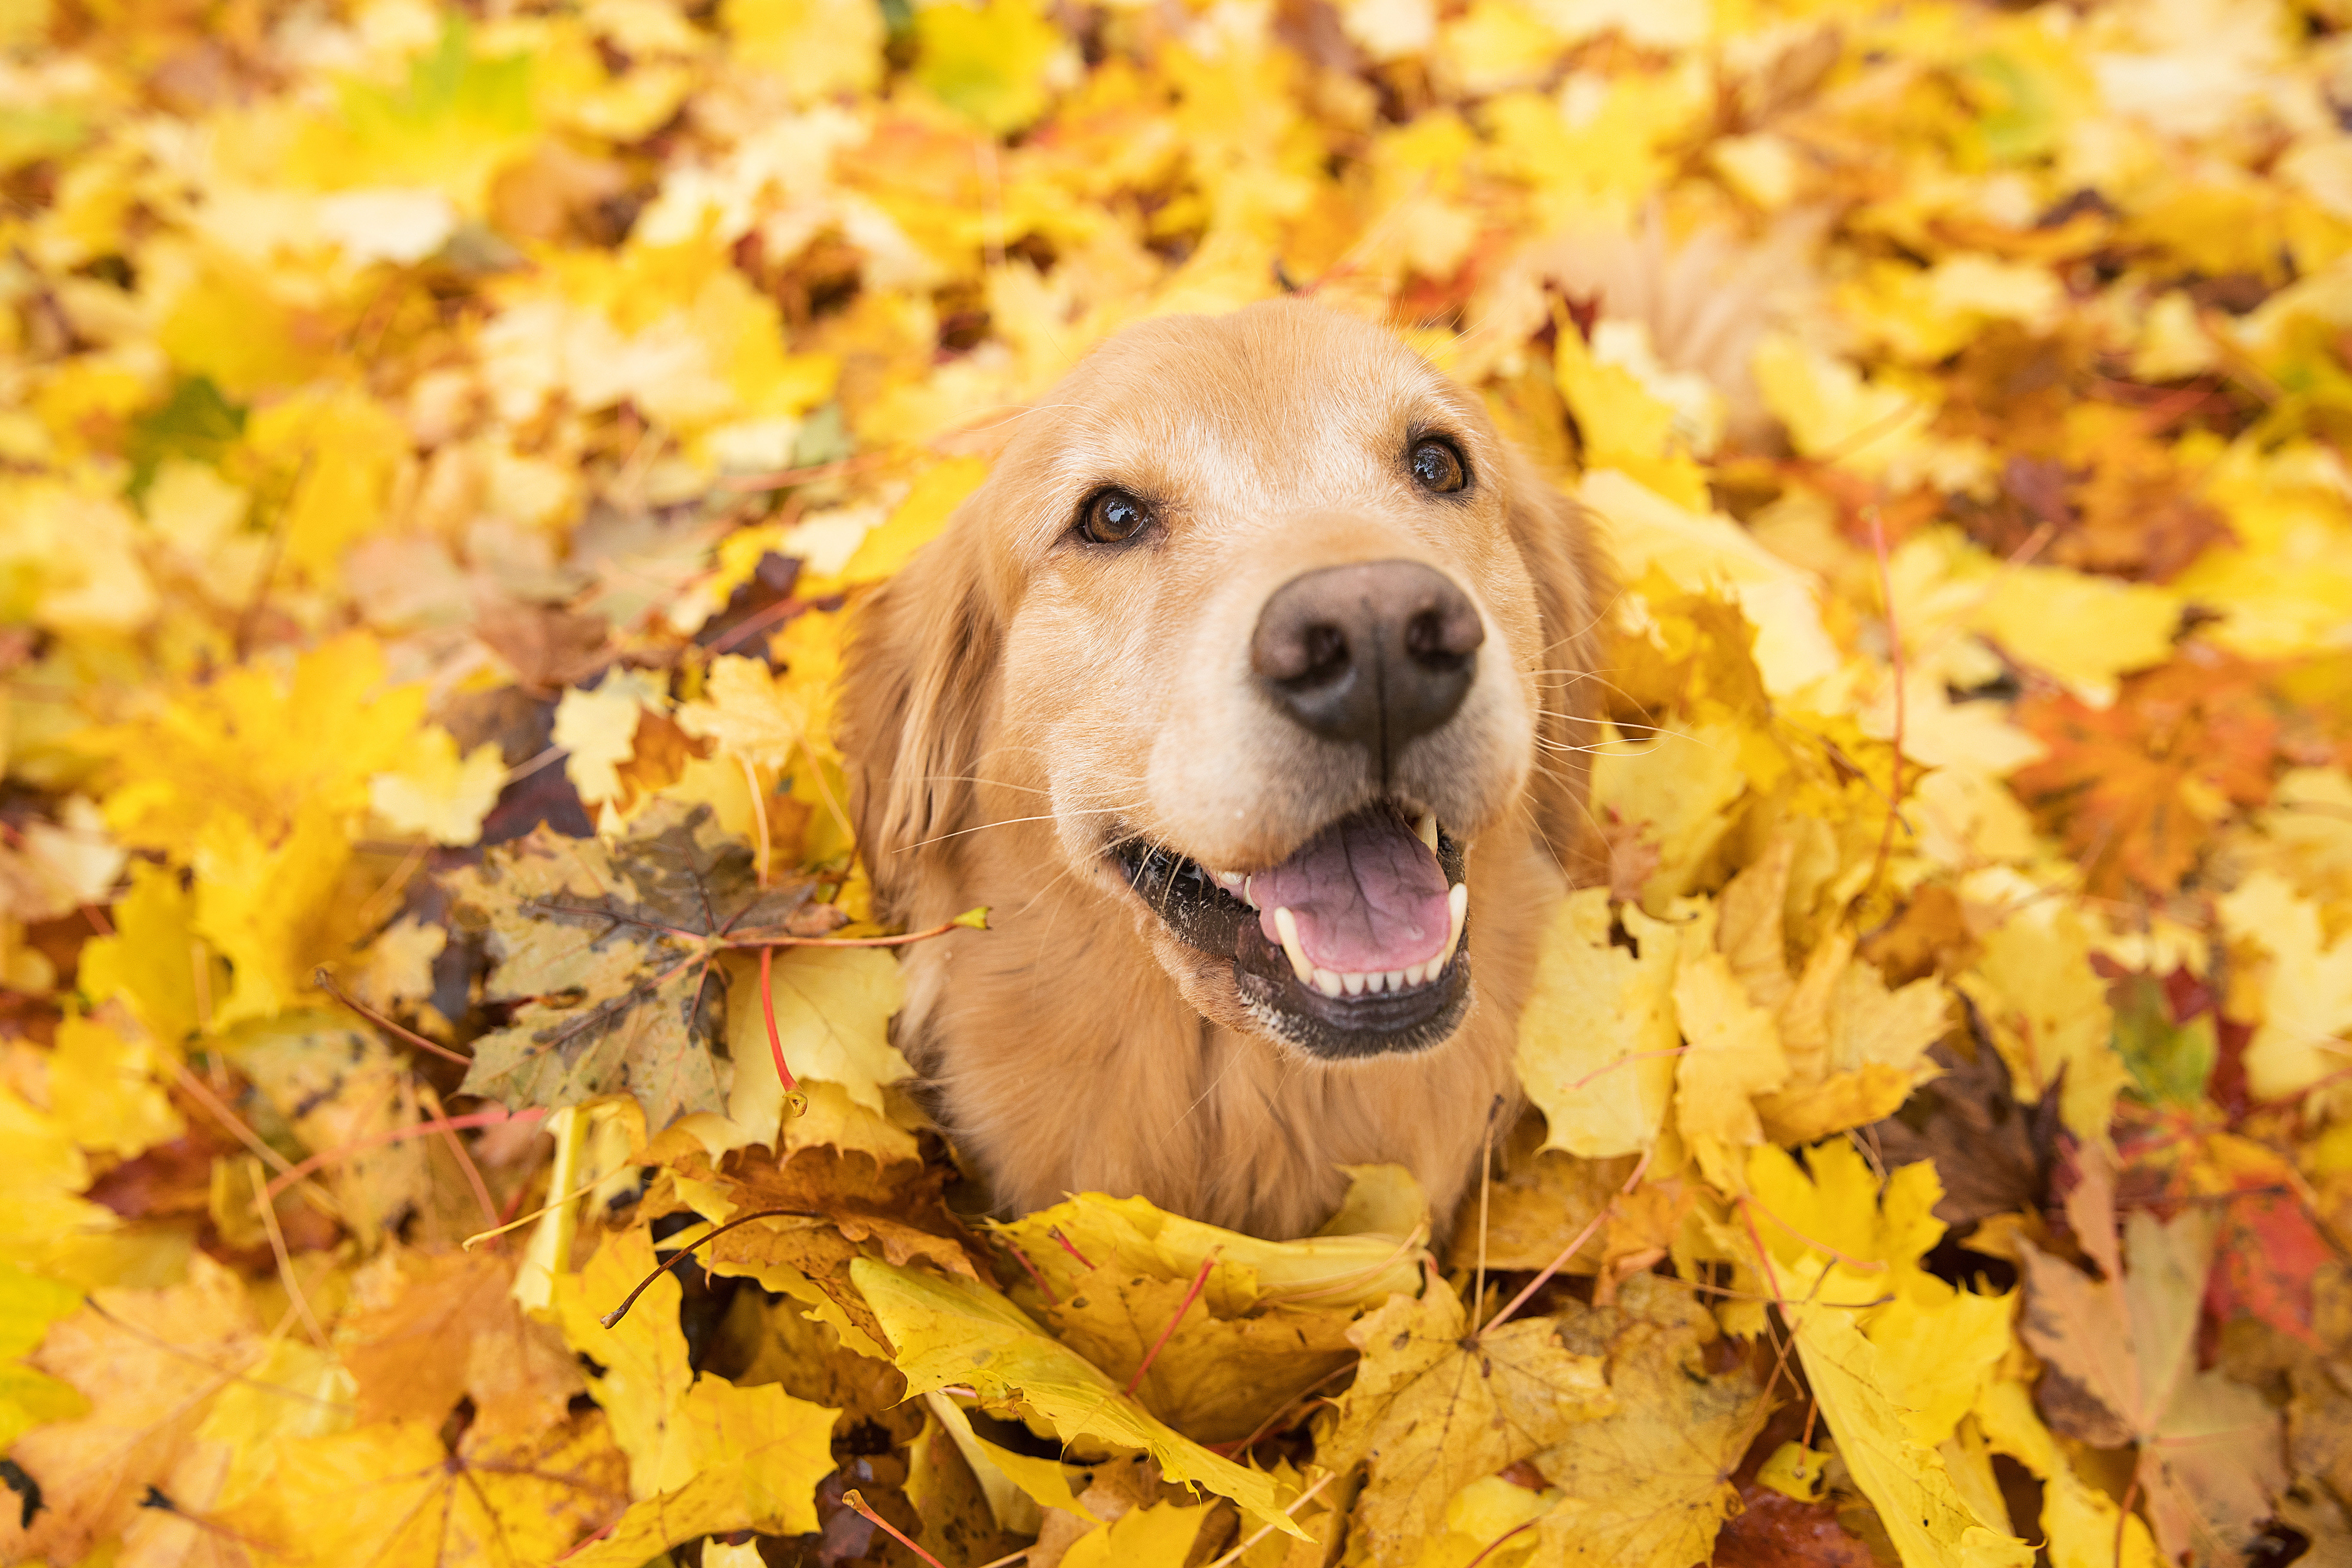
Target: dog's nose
x=1374, y=654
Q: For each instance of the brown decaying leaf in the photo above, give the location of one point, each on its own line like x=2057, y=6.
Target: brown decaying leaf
x=1993, y=1155
x=609, y=955
x=2121, y=1369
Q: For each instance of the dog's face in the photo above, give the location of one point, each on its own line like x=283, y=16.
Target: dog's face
x=1267, y=620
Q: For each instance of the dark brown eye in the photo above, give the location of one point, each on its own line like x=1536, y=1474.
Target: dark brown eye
x=1112, y=517
x=1438, y=466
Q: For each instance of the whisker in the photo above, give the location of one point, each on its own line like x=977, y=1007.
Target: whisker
x=1014, y=821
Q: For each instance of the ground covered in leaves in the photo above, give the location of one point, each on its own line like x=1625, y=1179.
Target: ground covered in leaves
x=440, y=450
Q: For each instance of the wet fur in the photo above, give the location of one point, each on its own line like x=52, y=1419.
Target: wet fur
x=1008, y=692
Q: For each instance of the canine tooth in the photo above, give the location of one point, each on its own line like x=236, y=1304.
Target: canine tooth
x=1457, y=902
x=1287, y=925
x=1327, y=983
x=1427, y=830
x=1354, y=982
x=1249, y=891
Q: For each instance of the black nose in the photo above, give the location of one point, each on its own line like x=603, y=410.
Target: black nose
x=1374, y=654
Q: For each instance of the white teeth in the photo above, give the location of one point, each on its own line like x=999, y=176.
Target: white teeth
x=1413, y=973
x=1231, y=880
x=1327, y=983
x=1249, y=891
x=1457, y=902
x=1354, y=982
x=1394, y=980
x=1287, y=925
x=1427, y=830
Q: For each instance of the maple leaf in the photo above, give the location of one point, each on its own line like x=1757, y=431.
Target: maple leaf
x=674, y=1423
x=2136, y=787
x=433, y=1330
x=393, y=1494
x=29, y=1398
x=1653, y=1475
x=610, y=952
x=147, y=1363
x=948, y=1331
x=1432, y=1410
x=1993, y=1155
x=2121, y=1368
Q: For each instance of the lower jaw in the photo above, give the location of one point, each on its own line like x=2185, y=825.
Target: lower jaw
x=1356, y=1028
x=1350, y=1027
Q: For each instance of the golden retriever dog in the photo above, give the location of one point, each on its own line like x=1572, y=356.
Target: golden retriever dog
x=1246, y=694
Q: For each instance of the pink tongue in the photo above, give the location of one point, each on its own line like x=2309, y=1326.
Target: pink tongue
x=1366, y=893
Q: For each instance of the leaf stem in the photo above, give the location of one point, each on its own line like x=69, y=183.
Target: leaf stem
x=498, y=1116
x=897, y=1534
x=1071, y=1247
x=1895, y=666
x=1200, y=1281
x=787, y=941
x=325, y=980
x=613, y=1318
x=1266, y=1530
x=768, y=1013
x=1554, y=1266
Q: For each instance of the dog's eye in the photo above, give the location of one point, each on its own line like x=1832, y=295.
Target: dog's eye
x=1112, y=517
x=1438, y=466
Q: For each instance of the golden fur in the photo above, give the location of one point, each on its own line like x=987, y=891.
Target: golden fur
x=1013, y=692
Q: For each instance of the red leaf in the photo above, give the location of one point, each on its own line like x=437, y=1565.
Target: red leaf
x=2270, y=1250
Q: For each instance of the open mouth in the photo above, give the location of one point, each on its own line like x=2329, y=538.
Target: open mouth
x=1350, y=947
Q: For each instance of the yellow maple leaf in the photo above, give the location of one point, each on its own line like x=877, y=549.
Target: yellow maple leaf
x=832, y=1010
x=29, y=1303
x=671, y=1423
x=1648, y=1485
x=260, y=747
x=1337, y=1268
x=392, y=1495
x=1597, y=1041
x=1432, y=1409
x=154, y=960
x=2304, y=991
x=948, y=1331
x=1157, y=1536
x=749, y=712
x=438, y=793
x=1931, y=1525
x=148, y=1362
x=1732, y=1054
x=103, y=1087
x=2047, y=1010
x=818, y=50
x=918, y=517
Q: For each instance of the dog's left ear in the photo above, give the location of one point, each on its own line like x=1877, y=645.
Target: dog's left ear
x=1574, y=587
x=918, y=683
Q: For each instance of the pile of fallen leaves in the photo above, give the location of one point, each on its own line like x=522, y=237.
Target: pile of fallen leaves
x=441, y=448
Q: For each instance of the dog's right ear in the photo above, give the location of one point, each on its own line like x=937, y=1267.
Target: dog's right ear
x=917, y=685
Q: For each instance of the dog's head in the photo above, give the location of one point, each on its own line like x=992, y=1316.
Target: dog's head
x=1263, y=616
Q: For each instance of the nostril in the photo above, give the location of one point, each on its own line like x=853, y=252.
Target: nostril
x=1425, y=639
x=1326, y=647
x=1444, y=637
